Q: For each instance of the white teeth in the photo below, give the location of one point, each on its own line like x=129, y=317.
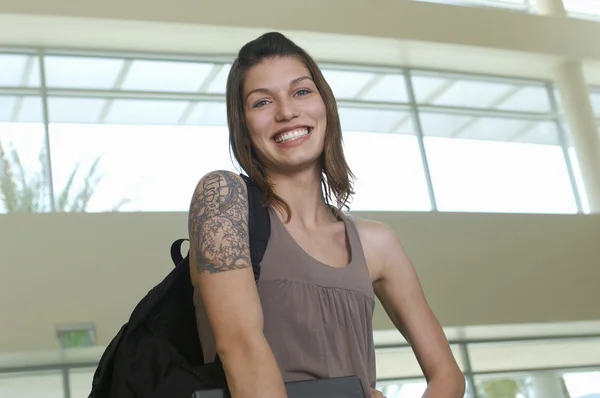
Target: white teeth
x=291, y=135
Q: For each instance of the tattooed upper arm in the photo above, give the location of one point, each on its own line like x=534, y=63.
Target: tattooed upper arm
x=218, y=223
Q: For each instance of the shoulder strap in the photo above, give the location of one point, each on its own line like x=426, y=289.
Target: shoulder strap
x=259, y=226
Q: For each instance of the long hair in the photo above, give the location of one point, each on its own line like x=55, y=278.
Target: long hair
x=336, y=176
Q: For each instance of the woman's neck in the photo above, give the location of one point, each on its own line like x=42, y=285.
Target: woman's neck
x=303, y=193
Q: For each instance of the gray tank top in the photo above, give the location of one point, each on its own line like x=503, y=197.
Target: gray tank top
x=317, y=318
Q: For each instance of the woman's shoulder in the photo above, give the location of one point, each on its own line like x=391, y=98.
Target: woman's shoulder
x=220, y=178
x=378, y=240
x=219, y=187
x=374, y=232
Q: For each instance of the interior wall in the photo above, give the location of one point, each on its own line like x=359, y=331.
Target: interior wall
x=407, y=33
x=398, y=19
x=476, y=269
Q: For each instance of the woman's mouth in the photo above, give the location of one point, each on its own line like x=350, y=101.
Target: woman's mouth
x=292, y=135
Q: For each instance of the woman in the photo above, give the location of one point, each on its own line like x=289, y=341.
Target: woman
x=310, y=315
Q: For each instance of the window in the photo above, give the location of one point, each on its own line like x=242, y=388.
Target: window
x=112, y=132
x=583, y=8
x=80, y=381
x=24, y=166
x=47, y=384
x=380, y=141
x=519, y=5
x=130, y=151
x=501, y=386
x=492, y=146
x=595, y=99
x=414, y=388
x=582, y=384
x=19, y=70
x=543, y=354
x=24, y=173
x=401, y=363
x=134, y=166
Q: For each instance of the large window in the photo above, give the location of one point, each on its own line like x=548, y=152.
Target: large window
x=90, y=132
x=513, y=366
x=381, y=143
x=493, y=145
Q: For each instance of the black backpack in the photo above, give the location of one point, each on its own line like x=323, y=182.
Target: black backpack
x=157, y=353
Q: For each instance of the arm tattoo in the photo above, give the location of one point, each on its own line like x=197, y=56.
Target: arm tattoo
x=218, y=224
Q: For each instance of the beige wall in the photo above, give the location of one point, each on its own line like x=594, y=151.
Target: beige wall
x=476, y=269
x=390, y=32
x=398, y=19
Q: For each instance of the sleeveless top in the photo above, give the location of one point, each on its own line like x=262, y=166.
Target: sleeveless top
x=317, y=318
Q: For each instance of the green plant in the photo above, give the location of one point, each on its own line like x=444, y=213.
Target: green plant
x=23, y=193
x=502, y=388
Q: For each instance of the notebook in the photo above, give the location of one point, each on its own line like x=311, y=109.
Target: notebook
x=339, y=387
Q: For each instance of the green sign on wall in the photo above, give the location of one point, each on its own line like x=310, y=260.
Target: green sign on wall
x=76, y=336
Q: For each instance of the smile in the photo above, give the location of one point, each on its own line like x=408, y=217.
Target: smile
x=292, y=135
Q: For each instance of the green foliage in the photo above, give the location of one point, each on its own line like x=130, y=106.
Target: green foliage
x=502, y=388
x=23, y=193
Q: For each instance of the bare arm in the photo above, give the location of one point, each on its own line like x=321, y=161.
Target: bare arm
x=398, y=288
x=221, y=268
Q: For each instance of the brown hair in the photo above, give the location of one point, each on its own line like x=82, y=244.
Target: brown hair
x=336, y=177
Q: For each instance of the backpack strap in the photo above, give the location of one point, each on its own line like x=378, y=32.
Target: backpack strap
x=176, y=251
x=259, y=226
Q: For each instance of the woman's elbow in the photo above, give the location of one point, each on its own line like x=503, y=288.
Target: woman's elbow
x=449, y=383
x=454, y=383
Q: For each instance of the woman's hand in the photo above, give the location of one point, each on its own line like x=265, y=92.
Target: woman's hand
x=376, y=393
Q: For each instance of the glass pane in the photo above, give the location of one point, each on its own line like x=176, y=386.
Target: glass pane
x=410, y=388
x=99, y=167
x=583, y=384
x=207, y=114
x=376, y=120
x=366, y=86
x=544, y=354
x=80, y=382
x=474, y=167
x=166, y=76
x=75, y=110
x=585, y=203
x=47, y=384
x=531, y=99
x=595, y=98
x=219, y=83
x=403, y=389
x=589, y=8
x=454, y=92
x=381, y=146
x=509, y=4
x=20, y=109
x=401, y=362
x=387, y=88
x=146, y=112
x=19, y=70
x=24, y=186
x=82, y=72
x=503, y=386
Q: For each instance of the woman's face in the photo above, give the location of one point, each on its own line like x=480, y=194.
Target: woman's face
x=285, y=114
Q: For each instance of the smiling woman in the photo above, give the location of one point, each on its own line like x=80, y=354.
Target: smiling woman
x=310, y=314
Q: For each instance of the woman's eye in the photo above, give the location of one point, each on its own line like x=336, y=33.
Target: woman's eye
x=302, y=92
x=260, y=104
